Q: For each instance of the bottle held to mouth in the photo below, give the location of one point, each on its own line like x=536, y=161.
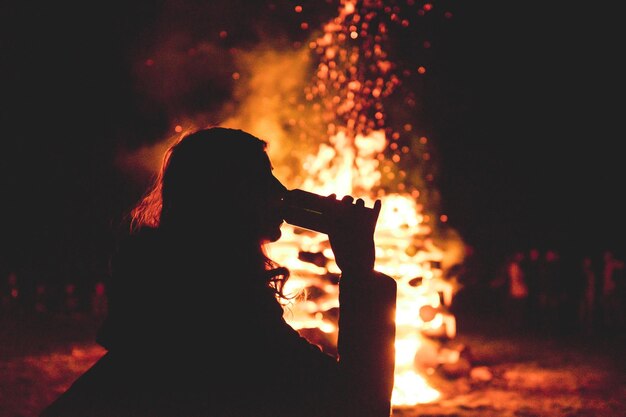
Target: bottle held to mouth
x=316, y=212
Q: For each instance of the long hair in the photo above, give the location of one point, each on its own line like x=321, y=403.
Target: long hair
x=147, y=211
x=199, y=162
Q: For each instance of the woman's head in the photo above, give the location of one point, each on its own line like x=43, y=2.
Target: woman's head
x=216, y=179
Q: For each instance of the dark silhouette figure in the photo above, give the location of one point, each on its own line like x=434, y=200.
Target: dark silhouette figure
x=586, y=290
x=553, y=285
x=195, y=326
x=533, y=270
x=517, y=293
x=613, y=292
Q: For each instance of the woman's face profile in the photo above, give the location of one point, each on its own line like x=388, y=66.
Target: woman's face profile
x=236, y=188
x=271, y=215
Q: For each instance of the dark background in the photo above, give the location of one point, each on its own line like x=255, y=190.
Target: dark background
x=529, y=127
x=522, y=103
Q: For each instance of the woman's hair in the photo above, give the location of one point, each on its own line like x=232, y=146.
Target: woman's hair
x=218, y=170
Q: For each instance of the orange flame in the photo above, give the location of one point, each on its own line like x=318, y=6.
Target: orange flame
x=349, y=163
x=404, y=251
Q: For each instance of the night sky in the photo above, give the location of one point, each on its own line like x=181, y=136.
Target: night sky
x=520, y=101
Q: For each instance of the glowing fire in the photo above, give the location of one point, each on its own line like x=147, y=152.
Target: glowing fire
x=404, y=252
x=352, y=77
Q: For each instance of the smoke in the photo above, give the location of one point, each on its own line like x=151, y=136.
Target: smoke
x=268, y=102
x=230, y=68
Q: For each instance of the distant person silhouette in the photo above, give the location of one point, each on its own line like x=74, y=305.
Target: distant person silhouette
x=613, y=293
x=195, y=326
x=533, y=270
x=517, y=292
x=586, y=286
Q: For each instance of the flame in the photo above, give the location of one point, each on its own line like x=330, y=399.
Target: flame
x=353, y=74
x=403, y=250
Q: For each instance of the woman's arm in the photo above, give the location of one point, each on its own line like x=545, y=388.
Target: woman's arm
x=366, y=342
x=367, y=300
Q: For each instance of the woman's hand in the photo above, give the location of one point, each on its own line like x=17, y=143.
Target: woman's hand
x=352, y=235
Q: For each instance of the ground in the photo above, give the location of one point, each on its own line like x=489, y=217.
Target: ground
x=504, y=373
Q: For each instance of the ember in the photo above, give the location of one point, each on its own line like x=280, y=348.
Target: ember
x=353, y=76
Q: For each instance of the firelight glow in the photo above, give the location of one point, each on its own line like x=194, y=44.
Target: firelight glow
x=349, y=161
x=400, y=224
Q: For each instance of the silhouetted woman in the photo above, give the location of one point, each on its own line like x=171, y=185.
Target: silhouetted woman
x=195, y=326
